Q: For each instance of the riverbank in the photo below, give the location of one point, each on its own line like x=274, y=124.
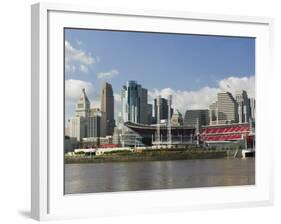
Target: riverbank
x=146, y=155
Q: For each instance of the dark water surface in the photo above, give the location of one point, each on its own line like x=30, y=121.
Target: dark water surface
x=148, y=175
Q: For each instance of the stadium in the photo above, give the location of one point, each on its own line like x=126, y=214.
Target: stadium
x=148, y=134
x=219, y=136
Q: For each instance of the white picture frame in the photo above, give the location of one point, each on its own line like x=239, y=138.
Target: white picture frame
x=48, y=201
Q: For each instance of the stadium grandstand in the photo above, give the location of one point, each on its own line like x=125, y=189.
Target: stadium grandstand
x=147, y=133
x=227, y=133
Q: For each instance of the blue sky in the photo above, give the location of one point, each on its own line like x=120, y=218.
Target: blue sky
x=174, y=62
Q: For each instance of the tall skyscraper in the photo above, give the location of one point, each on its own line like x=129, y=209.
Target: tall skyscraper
x=143, y=106
x=107, y=106
x=98, y=121
x=94, y=126
x=149, y=113
x=224, y=110
x=243, y=106
x=163, y=109
x=196, y=117
x=252, y=103
x=134, y=103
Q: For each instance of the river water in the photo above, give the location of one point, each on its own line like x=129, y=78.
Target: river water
x=149, y=175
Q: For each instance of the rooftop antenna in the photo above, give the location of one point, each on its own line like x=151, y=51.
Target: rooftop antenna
x=227, y=88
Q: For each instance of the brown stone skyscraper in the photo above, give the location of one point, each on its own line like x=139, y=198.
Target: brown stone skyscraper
x=107, y=106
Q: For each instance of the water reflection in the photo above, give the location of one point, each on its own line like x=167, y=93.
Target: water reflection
x=148, y=175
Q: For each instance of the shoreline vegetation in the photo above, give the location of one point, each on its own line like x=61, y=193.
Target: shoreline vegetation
x=147, y=155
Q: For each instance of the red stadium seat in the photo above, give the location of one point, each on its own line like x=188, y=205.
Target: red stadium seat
x=225, y=133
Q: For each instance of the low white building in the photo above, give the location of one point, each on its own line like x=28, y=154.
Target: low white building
x=100, y=151
x=77, y=128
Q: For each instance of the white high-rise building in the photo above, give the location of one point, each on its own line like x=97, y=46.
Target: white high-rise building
x=224, y=110
x=78, y=124
x=77, y=128
x=176, y=119
x=227, y=108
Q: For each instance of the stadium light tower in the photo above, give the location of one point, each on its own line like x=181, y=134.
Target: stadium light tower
x=197, y=131
x=169, y=134
x=158, y=120
x=217, y=111
x=240, y=112
x=245, y=113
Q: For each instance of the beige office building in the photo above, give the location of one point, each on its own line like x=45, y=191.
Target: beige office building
x=96, y=112
x=224, y=110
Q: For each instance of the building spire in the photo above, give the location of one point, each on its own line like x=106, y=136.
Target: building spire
x=83, y=105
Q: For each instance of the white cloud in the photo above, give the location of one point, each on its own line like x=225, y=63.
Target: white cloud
x=73, y=89
x=201, y=99
x=77, y=58
x=70, y=68
x=84, y=68
x=80, y=43
x=108, y=75
x=233, y=84
x=183, y=100
x=97, y=59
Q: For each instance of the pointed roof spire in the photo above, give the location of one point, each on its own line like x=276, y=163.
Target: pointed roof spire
x=84, y=98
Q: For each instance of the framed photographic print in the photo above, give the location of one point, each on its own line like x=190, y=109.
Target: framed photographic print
x=148, y=111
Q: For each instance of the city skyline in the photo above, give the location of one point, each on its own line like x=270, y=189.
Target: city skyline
x=137, y=99
x=89, y=124
x=88, y=66
x=96, y=103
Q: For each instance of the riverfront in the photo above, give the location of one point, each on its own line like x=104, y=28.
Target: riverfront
x=151, y=175
x=146, y=155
